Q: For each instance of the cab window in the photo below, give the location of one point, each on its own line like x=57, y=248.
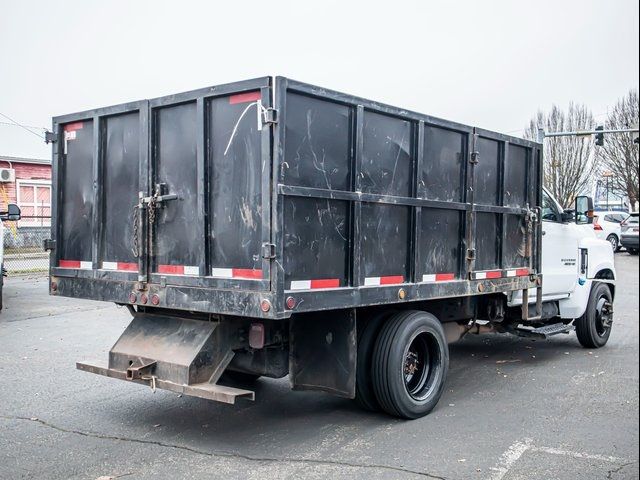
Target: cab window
x=550, y=211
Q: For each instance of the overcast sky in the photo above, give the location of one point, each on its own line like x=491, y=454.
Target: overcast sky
x=489, y=64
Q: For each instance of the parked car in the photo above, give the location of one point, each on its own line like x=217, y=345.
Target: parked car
x=12, y=214
x=629, y=237
x=606, y=224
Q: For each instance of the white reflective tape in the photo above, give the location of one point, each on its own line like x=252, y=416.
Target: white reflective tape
x=190, y=270
x=372, y=281
x=429, y=278
x=86, y=265
x=511, y=273
x=219, y=272
x=300, y=284
x=481, y=275
x=110, y=265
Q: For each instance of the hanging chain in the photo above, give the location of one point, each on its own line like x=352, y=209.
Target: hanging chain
x=135, y=249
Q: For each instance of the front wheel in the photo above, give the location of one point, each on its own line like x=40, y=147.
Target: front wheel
x=615, y=244
x=593, y=328
x=410, y=364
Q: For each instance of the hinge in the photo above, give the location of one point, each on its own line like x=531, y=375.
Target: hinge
x=474, y=157
x=270, y=115
x=268, y=250
x=50, y=137
x=49, y=244
x=471, y=253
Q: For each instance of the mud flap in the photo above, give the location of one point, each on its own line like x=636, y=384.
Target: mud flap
x=323, y=350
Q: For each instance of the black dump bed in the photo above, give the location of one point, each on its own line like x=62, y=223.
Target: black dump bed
x=269, y=196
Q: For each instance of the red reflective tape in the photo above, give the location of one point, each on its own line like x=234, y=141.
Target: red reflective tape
x=391, y=279
x=522, y=272
x=444, y=277
x=171, y=269
x=494, y=274
x=72, y=127
x=245, y=97
x=69, y=264
x=246, y=273
x=325, y=283
x=129, y=267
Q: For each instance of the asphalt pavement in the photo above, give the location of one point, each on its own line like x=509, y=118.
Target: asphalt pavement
x=513, y=409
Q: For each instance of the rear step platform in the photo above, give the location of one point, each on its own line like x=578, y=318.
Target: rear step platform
x=545, y=331
x=209, y=391
x=177, y=354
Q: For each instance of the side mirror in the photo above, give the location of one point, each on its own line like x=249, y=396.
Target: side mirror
x=584, y=210
x=12, y=213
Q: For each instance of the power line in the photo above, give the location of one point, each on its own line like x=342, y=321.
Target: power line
x=28, y=126
x=22, y=126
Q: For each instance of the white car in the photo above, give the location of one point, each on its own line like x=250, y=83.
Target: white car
x=606, y=224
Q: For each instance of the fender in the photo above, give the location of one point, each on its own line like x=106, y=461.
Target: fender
x=600, y=257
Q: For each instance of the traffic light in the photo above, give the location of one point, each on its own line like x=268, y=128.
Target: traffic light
x=599, y=136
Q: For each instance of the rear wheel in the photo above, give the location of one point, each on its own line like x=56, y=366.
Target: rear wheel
x=367, y=334
x=613, y=240
x=594, y=327
x=410, y=364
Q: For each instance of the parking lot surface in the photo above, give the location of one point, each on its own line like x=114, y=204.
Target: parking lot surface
x=513, y=409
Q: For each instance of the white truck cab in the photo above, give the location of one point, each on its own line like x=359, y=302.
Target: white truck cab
x=578, y=271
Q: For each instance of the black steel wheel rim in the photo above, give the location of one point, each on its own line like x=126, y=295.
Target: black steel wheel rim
x=422, y=364
x=603, y=316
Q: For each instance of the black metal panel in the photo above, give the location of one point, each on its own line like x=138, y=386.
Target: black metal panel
x=317, y=150
x=442, y=175
x=315, y=240
x=487, y=172
x=515, y=246
x=77, y=196
x=440, y=246
x=386, y=155
x=323, y=352
x=175, y=165
x=235, y=176
x=385, y=231
x=516, y=177
x=120, y=183
x=487, y=241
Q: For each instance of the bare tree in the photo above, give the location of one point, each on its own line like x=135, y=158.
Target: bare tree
x=620, y=153
x=570, y=163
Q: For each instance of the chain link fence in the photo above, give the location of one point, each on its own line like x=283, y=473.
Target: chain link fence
x=23, y=251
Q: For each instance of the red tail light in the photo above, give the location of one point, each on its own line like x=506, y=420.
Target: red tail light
x=597, y=226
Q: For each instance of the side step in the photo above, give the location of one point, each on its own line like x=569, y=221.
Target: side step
x=545, y=331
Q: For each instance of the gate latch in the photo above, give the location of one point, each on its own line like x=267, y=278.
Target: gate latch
x=49, y=245
x=268, y=250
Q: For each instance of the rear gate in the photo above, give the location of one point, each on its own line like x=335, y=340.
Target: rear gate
x=173, y=190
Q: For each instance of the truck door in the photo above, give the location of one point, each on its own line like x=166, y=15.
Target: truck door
x=208, y=208
x=559, y=250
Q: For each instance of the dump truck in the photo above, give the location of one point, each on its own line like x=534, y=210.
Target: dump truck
x=268, y=227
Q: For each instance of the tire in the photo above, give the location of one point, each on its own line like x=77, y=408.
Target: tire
x=593, y=328
x=367, y=335
x=614, y=241
x=410, y=364
x=239, y=377
x=632, y=251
